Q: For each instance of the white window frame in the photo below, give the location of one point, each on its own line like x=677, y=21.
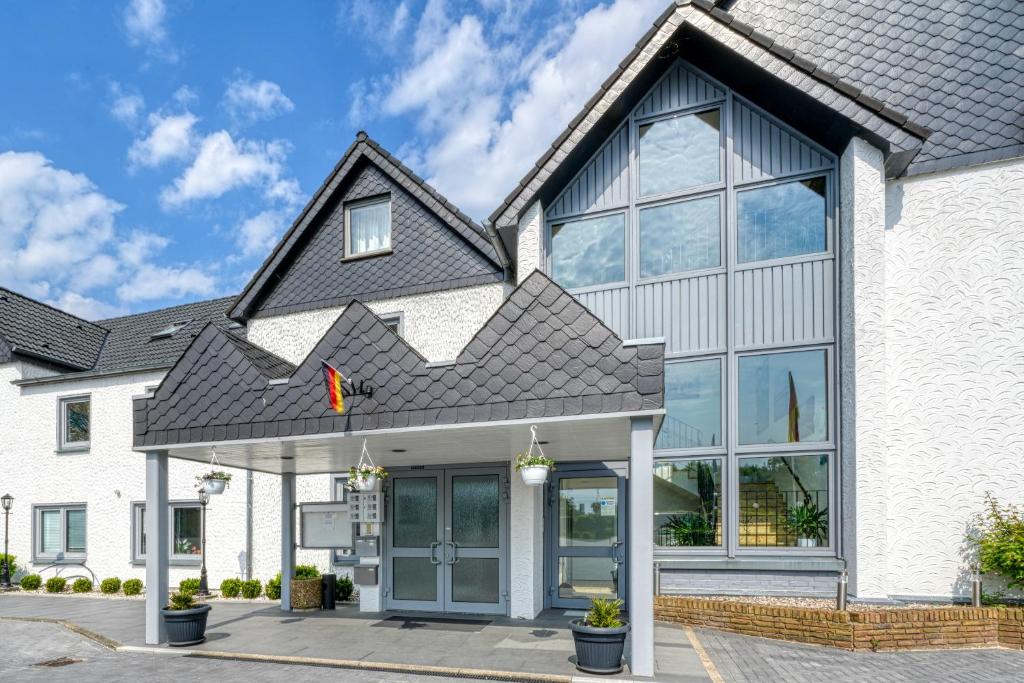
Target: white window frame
x=138, y=529
x=63, y=445
x=397, y=319
x=62, y=555
x=350, y=254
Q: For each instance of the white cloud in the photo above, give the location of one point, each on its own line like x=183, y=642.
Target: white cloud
x=144, y=24
x=386, y=25
x=88, y=307
x=258, y=234
x=161, y=282
x=126, y=105
x=224, y=164
x=249, y=100
x=170, y=137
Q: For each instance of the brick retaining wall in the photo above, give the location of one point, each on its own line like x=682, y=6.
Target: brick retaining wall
x=939, y=627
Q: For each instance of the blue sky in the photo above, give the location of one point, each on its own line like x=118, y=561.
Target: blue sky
x=151, y=151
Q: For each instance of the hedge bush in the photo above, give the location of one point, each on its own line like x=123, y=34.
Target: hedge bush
x=110, y=586
x=274, y=587
x=13, y=566
x=82, y=585
x=251, y=589
x=230, y=588
x=189, y=586
x=31, y=582
x=132, y=587
x=56, y=584
x=344, y=588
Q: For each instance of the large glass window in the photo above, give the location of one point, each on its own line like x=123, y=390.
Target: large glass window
x=688, y=503
x=589, y=512
x=783, y=397
x=368, y=227
x=589, y=252
x=693, y=404
x=678, y=237
x=680, y=152
x=781, y=220
x=59, y=533
x=185, y=533
x=784, y=501
x=74, y=419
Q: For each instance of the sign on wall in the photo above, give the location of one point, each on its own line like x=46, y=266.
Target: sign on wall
x=325, y=525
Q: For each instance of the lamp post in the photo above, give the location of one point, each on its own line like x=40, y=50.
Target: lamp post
x=5, y=576
x=204, y=589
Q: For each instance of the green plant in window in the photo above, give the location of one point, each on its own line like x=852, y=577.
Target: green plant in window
x=604, y=613
x=998, y=534
x=690, y=529
x=808, y=521
x=184, y=546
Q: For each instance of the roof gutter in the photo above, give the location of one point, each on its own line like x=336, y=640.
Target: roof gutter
x=91, y=374
x=49, y=359
x=499, y=246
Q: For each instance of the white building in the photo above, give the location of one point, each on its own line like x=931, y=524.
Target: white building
x=811, y=289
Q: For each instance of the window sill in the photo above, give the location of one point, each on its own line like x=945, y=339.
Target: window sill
x=67, y=450
x=172, y=563
x=63, y=560
x=366, y=255
x=796, y=563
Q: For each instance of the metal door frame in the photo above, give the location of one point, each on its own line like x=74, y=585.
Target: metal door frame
x=435, y=551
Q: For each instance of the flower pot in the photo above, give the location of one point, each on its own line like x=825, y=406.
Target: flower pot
x=598, y=650
x=367, y=484
x=806, y=543
x=534, y=475
x=214, y=486
x=185, y=626
x=306, y=593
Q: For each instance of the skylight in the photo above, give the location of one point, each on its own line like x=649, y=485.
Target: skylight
x=169, y=331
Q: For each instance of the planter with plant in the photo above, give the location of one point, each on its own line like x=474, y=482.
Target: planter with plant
x=213, y=482
x=185, y=620
x=364, y=477
x=533, y=468
x=600, y=637
x=808, y=523
x=306, y=587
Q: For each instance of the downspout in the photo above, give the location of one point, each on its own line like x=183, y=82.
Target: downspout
x=248, y=525
x=499, y=248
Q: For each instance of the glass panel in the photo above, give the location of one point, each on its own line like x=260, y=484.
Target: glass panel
x=784, y=501
x=415, y=578
x=75, y=531
x=76, y=422
x=415, y=524
x=187, y=531
x=475, y=510
x=142, y=532
x=781, y=220
x=475, y=579
x=587, y=577
x=783, y=397
x=678, y=237
x=680, y=152
x=589, y=252
x=49, y=531
x=688, y=502
x=340, y=491
x=693, y=401
x=370, y=227
x=588, y=512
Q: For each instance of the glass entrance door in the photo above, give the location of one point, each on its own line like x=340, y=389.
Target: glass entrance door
x=445, y=547
x=587, y=555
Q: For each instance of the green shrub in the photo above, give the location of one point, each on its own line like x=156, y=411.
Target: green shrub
x=82, y=585
x=999, y=535
x=273, y=589
x=12, y=566
x=343, y=589
x=189, y=586
x=306, y=571
x=110, y=586
x=31, y=582
x=132, y=587
x=56, y=584
x=604, y=613
x=251, y=589
x=182, y=600
x=230, y=588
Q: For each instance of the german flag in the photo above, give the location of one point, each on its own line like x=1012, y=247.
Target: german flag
x=334, y=380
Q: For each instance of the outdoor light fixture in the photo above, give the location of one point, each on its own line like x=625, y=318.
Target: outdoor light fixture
x=204, y=588
x=975, y=586
x=842, y=585
x=5, y=574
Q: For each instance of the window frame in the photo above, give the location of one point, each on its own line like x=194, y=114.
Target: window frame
x=343, y=559
x=62, y=556
x=668, y=551
x=723, y=139
x=398, y=318
x=347, y=252
x=723, y=447
x=548, y=257
x=63, y=445
x=828, y=173
x=723, y=255
x=138, y=509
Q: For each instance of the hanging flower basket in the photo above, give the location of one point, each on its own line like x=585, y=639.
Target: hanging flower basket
x=364, y=477
x=213, y=482
x=534, y=467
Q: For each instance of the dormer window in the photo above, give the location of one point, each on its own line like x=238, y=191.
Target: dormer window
x=368, y=227
x=169, y=331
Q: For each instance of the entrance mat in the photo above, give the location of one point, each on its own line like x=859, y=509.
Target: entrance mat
x=435, y=623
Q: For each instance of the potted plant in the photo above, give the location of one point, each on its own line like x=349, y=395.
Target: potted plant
x=214, y=482
x=533, y=468
x=185, y=620
x=305, y=587
x=600, y=637
x=808, y=523
x=364, y=477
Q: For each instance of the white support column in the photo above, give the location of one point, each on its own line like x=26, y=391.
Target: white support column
x=157, y=552
x=287, y=538
x=641, y=545
x=526, y=548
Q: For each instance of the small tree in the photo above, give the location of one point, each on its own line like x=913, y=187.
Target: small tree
x=999, y=536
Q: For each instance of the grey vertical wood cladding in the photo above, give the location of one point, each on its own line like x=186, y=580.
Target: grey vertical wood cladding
x=678, y=88
x=602, y=184
x=688, y=312
x=762, y=149
x=611, y=306
x=785, y=304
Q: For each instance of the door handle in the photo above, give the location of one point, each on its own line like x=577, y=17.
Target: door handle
x=616, y=555
x=454, y=558
x=433, y=552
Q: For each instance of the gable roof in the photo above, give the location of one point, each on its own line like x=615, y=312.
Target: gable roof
x=693, y=28
x=541, y=354
x=363, y=149
x=35, y=330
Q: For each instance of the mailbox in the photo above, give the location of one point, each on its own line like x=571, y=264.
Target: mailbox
x=367, y=546
x=365, y=574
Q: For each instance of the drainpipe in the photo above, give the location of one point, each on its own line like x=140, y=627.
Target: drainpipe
x=499, y=248
x=248, y=525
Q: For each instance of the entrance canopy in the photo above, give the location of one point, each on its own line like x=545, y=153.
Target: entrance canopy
x=542, y=358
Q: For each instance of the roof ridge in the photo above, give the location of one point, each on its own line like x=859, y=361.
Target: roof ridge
x=168, y=308
x=54, y=308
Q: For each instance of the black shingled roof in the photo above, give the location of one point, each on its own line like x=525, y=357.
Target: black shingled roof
x=33, y=329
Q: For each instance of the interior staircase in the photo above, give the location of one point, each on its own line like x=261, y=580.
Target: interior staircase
x=763, y=515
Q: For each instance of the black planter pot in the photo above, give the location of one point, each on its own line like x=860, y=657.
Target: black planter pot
x=185, y=626
x=598, y=650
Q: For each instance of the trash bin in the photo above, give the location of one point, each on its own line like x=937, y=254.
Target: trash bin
x=328, y=583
